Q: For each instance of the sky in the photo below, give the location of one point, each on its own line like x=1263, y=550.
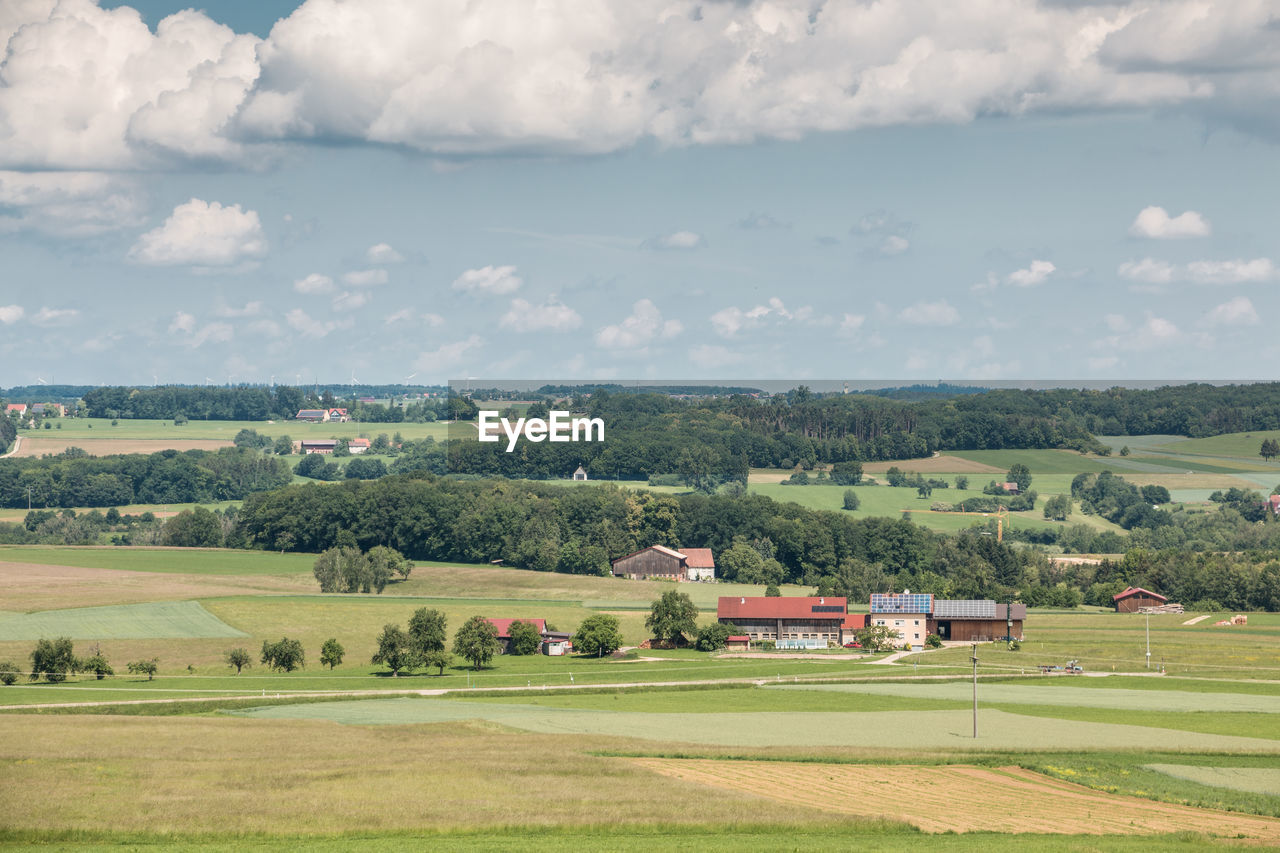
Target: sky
x=395, y=191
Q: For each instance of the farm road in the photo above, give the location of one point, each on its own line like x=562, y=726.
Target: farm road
x=13, y=451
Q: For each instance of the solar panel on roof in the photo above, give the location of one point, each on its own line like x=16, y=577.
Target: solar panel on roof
x=915, y=602
x=964, y=609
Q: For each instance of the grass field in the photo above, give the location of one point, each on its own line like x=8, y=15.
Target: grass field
x=168, y=620
x=561, y=752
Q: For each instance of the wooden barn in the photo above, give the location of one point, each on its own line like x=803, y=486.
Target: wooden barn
x=662, y=563
x=977, y=620
x=1135, y=597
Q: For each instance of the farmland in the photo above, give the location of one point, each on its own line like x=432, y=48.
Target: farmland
x=686, y=749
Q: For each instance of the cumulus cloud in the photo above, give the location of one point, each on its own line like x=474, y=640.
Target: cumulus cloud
x=365, y=278
x=1155, y=223
x=1231, y=272
x=489, y=280
x=761, y=222
x=250, y=309
x=1154, y=333
x=550, y=316
x=382, y=253
x=644, y=325
x=314, y=283
x=727, y=322
x=407, y=315
x=55, y=316
x=1037, y=273
x=68, y=204
x=1149, y=270
x=1235, y=312
x=202, y=233
x=93, y=88
x=851, y=323
x=675, y=241
x=349, y=300
x=213, y=332
x=90, y=88
x=182, y=322
x=304, y=324
x=10, y=314
x=940, y=313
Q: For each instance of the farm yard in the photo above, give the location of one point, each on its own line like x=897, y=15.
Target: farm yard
x=805, y=751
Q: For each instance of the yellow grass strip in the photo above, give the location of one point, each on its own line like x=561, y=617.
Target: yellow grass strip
x=962, y=798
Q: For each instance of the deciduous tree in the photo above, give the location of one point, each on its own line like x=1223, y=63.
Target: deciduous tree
x=331, y=653
x=526, y=639
x=238, y=657
x=598, y=635
x=53, y=659
x=476, y=641
x=672, y=616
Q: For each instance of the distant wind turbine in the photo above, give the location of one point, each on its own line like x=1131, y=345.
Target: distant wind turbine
x=41, y=381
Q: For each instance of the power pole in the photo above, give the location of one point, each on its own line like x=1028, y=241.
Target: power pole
x=975, y=691
x=1148, y=641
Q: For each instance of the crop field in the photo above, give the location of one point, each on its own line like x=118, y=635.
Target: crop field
x=681, y=749
x=1257, y=780
x=960, y=798
x=169, y=619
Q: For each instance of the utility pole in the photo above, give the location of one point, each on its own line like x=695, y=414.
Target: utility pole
x=975, y=691
x=28, y=499
x=1148, y=641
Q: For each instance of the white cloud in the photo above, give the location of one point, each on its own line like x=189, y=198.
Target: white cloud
x=1103, y=363
x=1235, y=312
x=727, y=322
x=1035, y=274
x=55, y=316
x=1116, y=322
x=266, y=328
x=250, y=309
x=92, y=88
x=447, y=355
x=491, y=280
x=1155, y=333
x=365, y=278
x=213, y=332
x=382, y=253
x=314, y=283
x=851, y=323
x=551, y=316
x=713, y=355
x=1231, y=272
x=405, y=315
x=1155, y=223
x=1148, y=269
x=349, y=300
x=183, y=322
x=433, y=320
x=894, y=245
x=68, y=204
x=10, y=314
x=761, y=222
x=303, y=323
x=676, y=240
x=940, y=313
x=204, y=234
x=644, y=325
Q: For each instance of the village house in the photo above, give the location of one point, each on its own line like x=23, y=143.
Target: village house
x=312, y=415
x=553, y=643
x=912, y=617
x=20, y=409
x=358, y=446
x=317, y=445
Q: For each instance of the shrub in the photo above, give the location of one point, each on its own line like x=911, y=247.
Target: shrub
x=933, y=641
x=714, y=636
x=9, y=672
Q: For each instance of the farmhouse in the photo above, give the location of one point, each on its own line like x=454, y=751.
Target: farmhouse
x=312, y=415
x=358, y=445
x=914, y=616
x=1273, y=503
x=789, y=623
x=553, y=642
x=318, y=445
x=19, y=408
x=661, y=563
x=1136, y=597
x=338, y=415
x=1011, y=488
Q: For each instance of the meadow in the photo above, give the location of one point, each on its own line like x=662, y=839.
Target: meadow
x=646, y=750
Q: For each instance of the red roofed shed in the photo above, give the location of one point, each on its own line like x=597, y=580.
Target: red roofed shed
x=795, y=622
x=1135, y=597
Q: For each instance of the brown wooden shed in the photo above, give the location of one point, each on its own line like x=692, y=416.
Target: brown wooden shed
x=1136, y=597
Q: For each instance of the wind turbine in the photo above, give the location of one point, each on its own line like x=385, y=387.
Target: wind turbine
x=207, y=381
x=41, y=381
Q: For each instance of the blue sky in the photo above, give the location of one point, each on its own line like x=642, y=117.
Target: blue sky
x=716, y=190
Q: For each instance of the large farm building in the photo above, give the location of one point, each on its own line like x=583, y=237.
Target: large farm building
x=1135, y=597
x=819, y=622
x=661, y=563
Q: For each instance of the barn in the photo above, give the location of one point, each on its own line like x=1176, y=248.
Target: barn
x=789, y=623
x=1136, y=597
x=658, y=562
x=503, y=627
x=913, y=616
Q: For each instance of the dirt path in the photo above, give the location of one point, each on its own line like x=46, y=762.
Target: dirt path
x=962, y=798
x=13, y=451
x=1196, y=619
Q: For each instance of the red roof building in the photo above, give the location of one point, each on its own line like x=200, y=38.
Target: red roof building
x=503, y=627
x=1136, y=597
x=789, y=622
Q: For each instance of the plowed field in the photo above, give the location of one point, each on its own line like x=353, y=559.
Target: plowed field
x=962, y=798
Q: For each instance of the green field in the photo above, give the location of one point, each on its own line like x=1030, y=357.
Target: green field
x=169, y=620
x=575, y=732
